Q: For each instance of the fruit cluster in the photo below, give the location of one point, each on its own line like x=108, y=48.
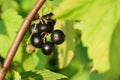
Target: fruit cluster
x=39, y=30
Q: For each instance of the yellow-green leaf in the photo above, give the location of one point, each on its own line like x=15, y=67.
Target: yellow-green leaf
x=9, y=26
x=42, y=75
x=27, y=5
x=98, y=21
x=66, y=49
x=16, y=76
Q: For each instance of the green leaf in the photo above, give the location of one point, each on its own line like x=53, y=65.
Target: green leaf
x=49, y=6
x=56, y=3
x=98, y=19
x=114, y=73
x=30, y=63
x=96, y=25
x=73, y=10
x=46, y=8
x=48, y=75
x=35, y=61
x=81, y=52
x=29, y=75
x=27, y=5
x=66, y=49
x=7, y=4
x=87, y=76
x=42, y=75
x=16, y=76
x=9, y=26
x=1, y=1
x=80, y=63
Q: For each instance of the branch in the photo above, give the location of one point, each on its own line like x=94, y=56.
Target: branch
x=19, y=37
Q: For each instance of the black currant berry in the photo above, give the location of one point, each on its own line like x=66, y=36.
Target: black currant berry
x=51, y=25
x=43, y=28
x=30, y=49
x=48, y=48
x=50, y=21
x=31, y=28
x=48, y=16
x=36, y=40
x=57, y=37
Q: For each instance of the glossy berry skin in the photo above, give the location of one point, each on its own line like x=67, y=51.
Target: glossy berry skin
x=36, y=40
x=50, y=21
x=48, y=48
x=57, y=37
x=51, y=25
x=43, y=28
x=48, y=16
x=31, y=28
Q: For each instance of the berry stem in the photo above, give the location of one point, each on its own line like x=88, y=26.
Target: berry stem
x=31, y=35
x=19, y=37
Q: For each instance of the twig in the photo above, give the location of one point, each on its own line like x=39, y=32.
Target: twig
x=19, y=37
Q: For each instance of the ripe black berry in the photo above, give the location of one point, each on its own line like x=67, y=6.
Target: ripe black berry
x=57, y=37
x=36, y=40
x=48, y=16
x=43, y=28
x=50, y=21
x=51, y=25
x=48, y=48
x=31, y=28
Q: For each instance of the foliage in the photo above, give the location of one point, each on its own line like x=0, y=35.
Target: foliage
x=90, y=51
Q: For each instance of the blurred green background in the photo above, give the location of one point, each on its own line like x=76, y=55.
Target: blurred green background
x=90, y=51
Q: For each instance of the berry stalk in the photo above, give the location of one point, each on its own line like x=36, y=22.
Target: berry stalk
x=19, y=37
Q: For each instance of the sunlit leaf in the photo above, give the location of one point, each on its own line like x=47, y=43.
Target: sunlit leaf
x=42, y=75
x=66, y=49
x=16, y=76
x=36, y=61
x=8, y=29
x=49, y=6
x=48, y=75
x=98, y=19
x=7, y=4
x=73, y=10
x=97, y=33
x=27, y=5
x=30, y=63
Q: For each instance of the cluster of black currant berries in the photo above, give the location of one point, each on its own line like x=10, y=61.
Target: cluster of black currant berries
x=39, y=29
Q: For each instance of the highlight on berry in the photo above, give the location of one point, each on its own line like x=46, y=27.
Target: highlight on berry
x=40, y=28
